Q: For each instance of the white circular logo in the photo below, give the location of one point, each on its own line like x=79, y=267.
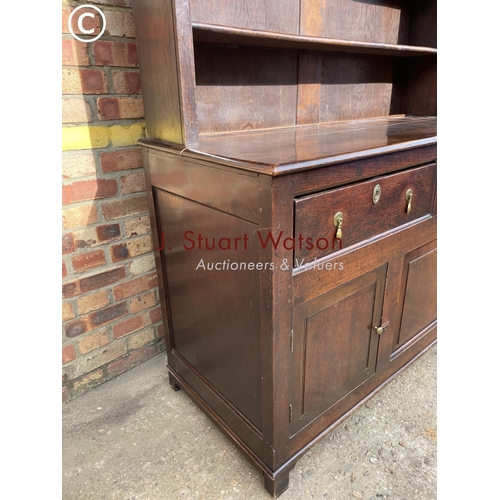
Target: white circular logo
x=81, y=28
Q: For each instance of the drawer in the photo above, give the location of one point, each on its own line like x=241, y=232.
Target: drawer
x=363, y=215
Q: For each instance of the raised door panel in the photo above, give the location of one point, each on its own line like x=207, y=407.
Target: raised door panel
x=334, y=345
x=418, y=296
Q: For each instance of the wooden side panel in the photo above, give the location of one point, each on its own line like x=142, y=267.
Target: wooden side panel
x=362, y=20
x=266, y=15
x=158, y=65
x=418, y=293
x=214, y=311
x=335, y=345
x=423, y=23
x=419, y=86
x=240, y=88
x=207, y=185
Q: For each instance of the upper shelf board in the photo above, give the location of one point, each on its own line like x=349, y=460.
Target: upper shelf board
x=238, y=36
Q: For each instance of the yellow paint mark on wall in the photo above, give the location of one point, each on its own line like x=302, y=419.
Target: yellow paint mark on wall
x=125, y=136
x=94, y=137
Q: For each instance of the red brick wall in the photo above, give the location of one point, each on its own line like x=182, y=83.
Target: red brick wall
x=110, y=309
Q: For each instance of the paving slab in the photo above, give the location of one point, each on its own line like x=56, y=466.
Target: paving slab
x=136, y=438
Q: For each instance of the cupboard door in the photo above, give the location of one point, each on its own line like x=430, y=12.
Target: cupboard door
x=334, y=345
x=417, y=297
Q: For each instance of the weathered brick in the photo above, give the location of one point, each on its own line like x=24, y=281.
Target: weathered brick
x=123, y=159
x=75, y=110
x=155, y=315
x=89, y=260
x=137, y=226
x=160, y=331
x=133, y=183
x=68, y=354
x=142, y=265
x=108, y=314
x=71, y=81
x=134, y=287
x=76, y=328
x=67, y=311
x=87, y=382
x=133, y=248
x=85, y=238
x=94, y=341
x=91, y=189
x=70, y=290
x=128, y=326
x=115, y=53
x=133, y=359
x=119, y=23
x=108, y=232
x=140, y=339
x=82, y=215
x=66, y=195
x=66, y=11
x=74, y=53
x=84, y=81
x=125, y=207
x=68, y=243
x=94, y=81
x=102, y=279
x=101, y=357
x=93, y=302
x=78, y=165
x=64, y=270
x=88, y=23
x=119, y=108
x=142, y=302
x=126, y=82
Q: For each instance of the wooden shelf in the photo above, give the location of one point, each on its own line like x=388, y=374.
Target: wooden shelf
x=211, y=33
x=291, y=149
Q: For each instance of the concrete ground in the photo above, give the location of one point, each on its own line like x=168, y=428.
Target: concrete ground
x=135, y=438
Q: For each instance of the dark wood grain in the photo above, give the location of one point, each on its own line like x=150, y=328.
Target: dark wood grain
x=206, y=185
x=335, y=345
x=156, y=46
x=267, y=15
x=355, y=87
x=418, y=295
x=362, y=219
x=210, y=33
x=239, y=88
x=225, y=323
x=268, y=117
x=292, y=149
x=365, y=20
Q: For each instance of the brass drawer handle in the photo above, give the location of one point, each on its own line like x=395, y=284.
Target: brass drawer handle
x=409, y=196
x=338, y=219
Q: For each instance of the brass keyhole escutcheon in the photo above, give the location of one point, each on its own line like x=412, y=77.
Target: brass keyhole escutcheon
x=377, y=191
x=409, y=196
x=338, y=219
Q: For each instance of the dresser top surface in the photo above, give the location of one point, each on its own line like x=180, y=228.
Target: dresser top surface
x=285, y=150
